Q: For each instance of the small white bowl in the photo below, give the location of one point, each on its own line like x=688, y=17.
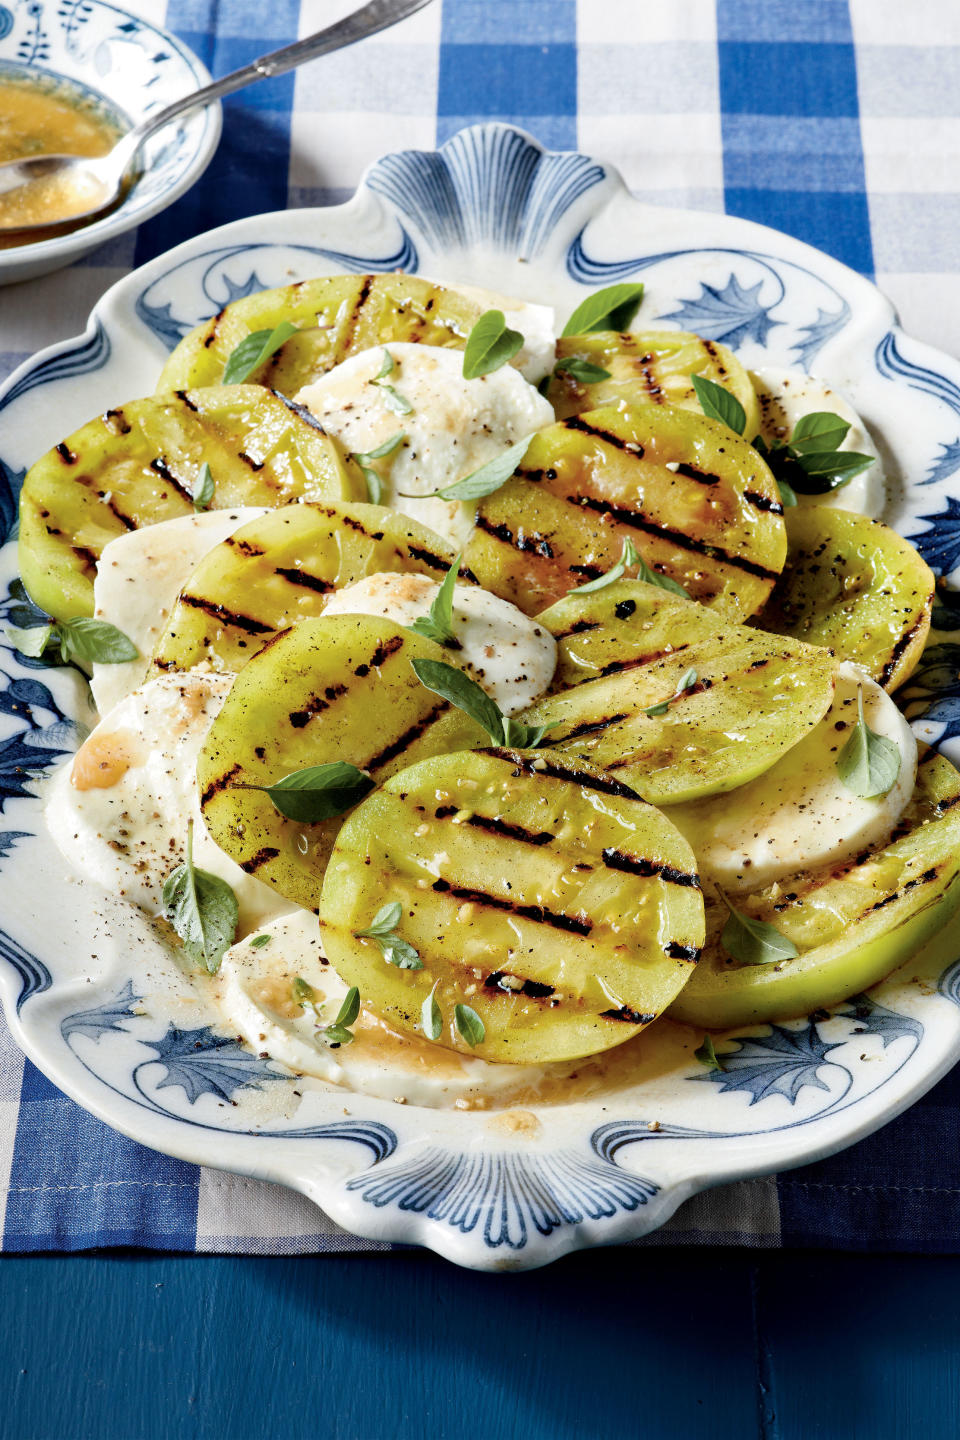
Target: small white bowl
x=138, y=69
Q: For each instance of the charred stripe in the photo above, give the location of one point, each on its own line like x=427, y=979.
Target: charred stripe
x=397, y=747
x=632, y=1017
x=503, y=983
x=223, y=782
x=225, y=616
x=636, y=520
x=541, y=766
x=577, y=422
x=574, y=924
x=315, y=706
x=160, y=467
x=301, y=577
x=255, y=862
x=640, y=865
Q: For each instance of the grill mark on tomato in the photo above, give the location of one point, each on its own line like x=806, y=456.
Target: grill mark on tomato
x=591, y=572
x=636, y=520
x=184, y=399
x=301, y=412
x=573, y=924
x=385, y=648
x=542, y=766
x=589, y=727
x=223, y=782
x=577, y=422
x=263, y=855
x=245, y=547
x=427, y=557
x=532, y=989
x=65, y=453
x=249, y=460
x=616, y=667
x=224, y=615
x=945, y=805
x=496, y=826
x=632, y=1017
x=302, y=577
x=763, y=502
x=397, y=747
x=89, y=557
x=160, y=467
x=702, y=477
x=315, y=705
x=89, y=483
x=580, y=627
x=676, y=951
x=211, y=334
x=897, y=653
x=116, y=421
x=639, y=865
x=350, y=330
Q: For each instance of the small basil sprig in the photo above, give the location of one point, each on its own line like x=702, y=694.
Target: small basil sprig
x=708, y=1056
x=628, y=556
x=469, y=1025
x=467, y=695
x=490, y=344
x=363, y=458
x=383, y=929
x=609, y=309
x=584, y=372
x=686, y=682
x=754, y=942
x=338, y=1032
x=202, y=909
x=484, y=481
x=393, y=400
x=258, y=941
x=868, y=764
x=438, y=624
x=258, y=346
x=204, y=489
x=430, y=1016
x=317, y=792
x=81, y=639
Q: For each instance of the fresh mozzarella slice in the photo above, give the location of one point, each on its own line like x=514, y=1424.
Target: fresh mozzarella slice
x=785, y=396
x=452, y=428
x=799, y=814
x=509, y=654
x=139, y=577
x=119, y=809
x=254, y=987
x=536, y=323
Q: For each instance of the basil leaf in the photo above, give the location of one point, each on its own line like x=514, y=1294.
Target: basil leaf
x=385, y=920
x=650, y=577
x=488, y=478
x=525, y=737
x=253, y=350
x=609, y=309
x=399, y=952
x=316, y=793
x=303, y=991
x=469, y=1025
x=868, y=764
x=374, y=482
x=394, y=401
x=654, y=711
x=628, y=556
x=820, y=430
x=438, y=625
x=31, y=642
x=718, y=404
x=258, y=941
x=466, y=694
x=202, y=909
x=335, y=1035
x=583, y=371
x=708, y=1056
x=788, y=498
x=203, y=492
x=94, y=641
x=430, y=1017
x=686, y=682
x=754, y=942
x=350, y=1008
x=490, y=344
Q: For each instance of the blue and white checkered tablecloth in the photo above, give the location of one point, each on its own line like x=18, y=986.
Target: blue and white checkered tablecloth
x=835, y=120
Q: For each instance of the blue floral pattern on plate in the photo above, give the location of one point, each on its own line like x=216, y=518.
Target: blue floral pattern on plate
x=491, y=202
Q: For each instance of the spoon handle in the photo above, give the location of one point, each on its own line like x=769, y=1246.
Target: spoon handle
x=377, y=15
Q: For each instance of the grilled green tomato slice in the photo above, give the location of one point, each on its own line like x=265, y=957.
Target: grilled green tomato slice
x=852, y=925
x=545, y=896
x=627, y=623
x=338, y=315
x=650, y=367
x=699, y=504
x=140, y=463
x=325, y=690
x=753, y=697
x=279, y=569
x=855, y=585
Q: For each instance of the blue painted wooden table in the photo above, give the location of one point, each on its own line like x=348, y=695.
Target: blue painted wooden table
x=658, y=1343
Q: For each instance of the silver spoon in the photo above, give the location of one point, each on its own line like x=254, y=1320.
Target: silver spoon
x=107, y=175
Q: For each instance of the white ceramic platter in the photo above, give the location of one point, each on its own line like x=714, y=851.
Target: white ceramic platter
x=98, y=1007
